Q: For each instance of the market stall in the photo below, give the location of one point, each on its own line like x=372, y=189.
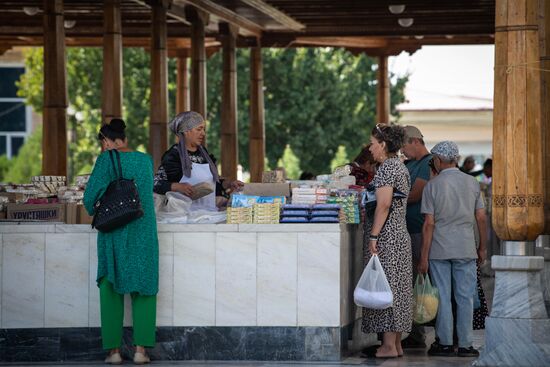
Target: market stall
x=249, y=289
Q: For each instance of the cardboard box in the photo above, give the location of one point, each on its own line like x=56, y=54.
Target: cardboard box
x=71, y=213
x=82, y=216
x=14, y=197
x=267, y=189
x=36, y=212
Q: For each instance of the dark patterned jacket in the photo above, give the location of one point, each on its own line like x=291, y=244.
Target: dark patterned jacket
x=170, y=170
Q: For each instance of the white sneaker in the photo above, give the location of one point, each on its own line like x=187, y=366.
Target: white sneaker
x=141, y=358
x=114, y=358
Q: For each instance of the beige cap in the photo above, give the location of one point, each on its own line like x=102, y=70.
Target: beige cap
x=412, y=132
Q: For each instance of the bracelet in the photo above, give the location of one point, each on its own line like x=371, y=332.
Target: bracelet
x=373, y=238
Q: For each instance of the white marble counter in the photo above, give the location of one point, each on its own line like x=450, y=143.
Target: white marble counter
x=210, y=275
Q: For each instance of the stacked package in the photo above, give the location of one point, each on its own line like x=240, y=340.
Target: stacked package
x=309, y=195
x=315, y=213
x=239, y=215
x=247, y=209
x=349, y=203
x=49, y=184
x=266, y=213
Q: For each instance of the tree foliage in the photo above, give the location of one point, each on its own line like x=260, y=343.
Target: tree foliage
x=291, y=163
x=315, y=101
x=340, y=158
x=28, y=161
x=84, y=83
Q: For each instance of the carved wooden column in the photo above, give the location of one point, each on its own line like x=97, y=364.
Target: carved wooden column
x=111, y=94
x=182, y=91
x=158, y=126
x=383, y=92
x=54, y=138
x=517, y=142
x=229, y=129
x=257, y=128
x=543, y=242
x=516, y=333
x=198, y=21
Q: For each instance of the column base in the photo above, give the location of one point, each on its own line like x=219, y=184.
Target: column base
x=515, y=343
x=543, y=249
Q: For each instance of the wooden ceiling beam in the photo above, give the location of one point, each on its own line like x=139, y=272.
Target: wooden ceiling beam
x=246, y=26
x=275, y=14
x=173, y=11
x=353, y=42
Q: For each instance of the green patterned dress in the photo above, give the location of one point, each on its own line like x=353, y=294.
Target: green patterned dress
x=128, y=256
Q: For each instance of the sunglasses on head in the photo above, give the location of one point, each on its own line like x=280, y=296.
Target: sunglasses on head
x=378, y=128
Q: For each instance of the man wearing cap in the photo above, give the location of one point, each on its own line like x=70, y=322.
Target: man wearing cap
x=452, y=206
x=418, y=158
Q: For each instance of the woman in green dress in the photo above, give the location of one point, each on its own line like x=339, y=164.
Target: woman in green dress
x=127, y=256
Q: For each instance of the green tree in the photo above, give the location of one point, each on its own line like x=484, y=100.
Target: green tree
x=340, y=158
x=316, y=99
x=291, y=163
x=28, y=161
x=84, y=83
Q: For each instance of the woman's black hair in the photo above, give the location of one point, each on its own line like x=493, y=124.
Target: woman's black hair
x=113, y=130
x=392, y=135
x=365, y=156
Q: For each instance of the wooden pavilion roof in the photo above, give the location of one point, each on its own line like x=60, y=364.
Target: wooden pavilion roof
x=360, y=25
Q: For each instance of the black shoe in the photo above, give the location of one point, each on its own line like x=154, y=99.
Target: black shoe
x=370, y=351
x=467, y=352
x=440, y=350
x=410, y=343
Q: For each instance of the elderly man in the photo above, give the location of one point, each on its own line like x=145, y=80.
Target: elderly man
x=418, y=158
x=452, y=205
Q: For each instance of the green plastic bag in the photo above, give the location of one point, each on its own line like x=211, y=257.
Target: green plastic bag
x=426, y=300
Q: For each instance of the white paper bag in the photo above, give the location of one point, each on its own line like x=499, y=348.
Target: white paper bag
x=373, y=290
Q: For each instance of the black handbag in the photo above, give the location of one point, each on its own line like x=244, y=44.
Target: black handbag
x=120, y=203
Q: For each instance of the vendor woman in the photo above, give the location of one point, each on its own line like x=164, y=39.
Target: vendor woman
x=188, y=163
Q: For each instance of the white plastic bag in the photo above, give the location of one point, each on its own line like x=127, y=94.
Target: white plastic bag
x=175, y=208
x=373, y=290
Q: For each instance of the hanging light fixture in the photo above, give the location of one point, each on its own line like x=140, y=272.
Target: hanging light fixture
x=69, y=24
x=396, y=9
x=30, y=10
x=419, y=37
x=405, y=22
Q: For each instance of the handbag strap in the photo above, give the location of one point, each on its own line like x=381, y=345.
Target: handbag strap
x=118, y=173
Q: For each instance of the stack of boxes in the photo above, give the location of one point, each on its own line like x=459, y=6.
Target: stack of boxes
x=315, y=213
x=309, y=195
x=349, y=203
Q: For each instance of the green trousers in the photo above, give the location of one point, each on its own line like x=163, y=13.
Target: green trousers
x=144, y=314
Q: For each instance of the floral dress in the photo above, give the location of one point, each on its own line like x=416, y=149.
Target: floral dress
x=395, y=254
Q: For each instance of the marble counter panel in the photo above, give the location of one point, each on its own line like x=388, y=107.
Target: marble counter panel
x=236, y=279
x=197, y=228
x=93, y=295
x=318, y=279
x=67, y=279
x=27, y=227
x=209, y=276
x=277, y=278
x=165, y=296
x=194, y=279
x=23, y=280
